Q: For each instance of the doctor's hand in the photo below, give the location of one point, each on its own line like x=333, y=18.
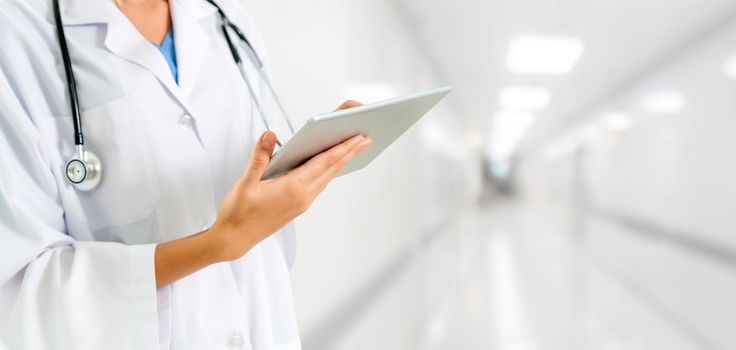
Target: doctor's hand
x=255, y=209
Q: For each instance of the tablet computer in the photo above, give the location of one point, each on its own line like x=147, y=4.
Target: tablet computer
x=384, y=122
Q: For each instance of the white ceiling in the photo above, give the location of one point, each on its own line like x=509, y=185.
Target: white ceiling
x=624, y=40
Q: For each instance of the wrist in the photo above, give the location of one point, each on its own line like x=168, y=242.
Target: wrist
x=177, y=259
x=223, y=244
x=214, y=246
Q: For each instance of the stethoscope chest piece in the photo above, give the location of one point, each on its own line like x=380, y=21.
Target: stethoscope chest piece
x=84, y=171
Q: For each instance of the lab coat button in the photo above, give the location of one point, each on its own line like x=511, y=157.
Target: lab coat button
x=186, y=122
x=236, y=341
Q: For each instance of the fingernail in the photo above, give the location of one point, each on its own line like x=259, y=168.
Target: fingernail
x=268, y=140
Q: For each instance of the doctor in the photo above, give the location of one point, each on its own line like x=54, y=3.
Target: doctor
x=179, y=245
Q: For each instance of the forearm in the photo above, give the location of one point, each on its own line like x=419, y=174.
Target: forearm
x=180, y=258
x=254, y=209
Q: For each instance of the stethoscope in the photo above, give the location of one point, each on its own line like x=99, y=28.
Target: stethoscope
x=84, y=170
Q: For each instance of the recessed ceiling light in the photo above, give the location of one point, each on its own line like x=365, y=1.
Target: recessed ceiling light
x=666, y=102
x=589, y=133
x=511, y=120
x=729, y=67
x=617, y=121
x=524, y=98
x=548, y=55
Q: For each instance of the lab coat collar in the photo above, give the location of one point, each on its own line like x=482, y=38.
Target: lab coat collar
x=121, y=38
x=124, y=40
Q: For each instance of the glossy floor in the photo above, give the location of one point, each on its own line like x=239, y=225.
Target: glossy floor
x=521, y=276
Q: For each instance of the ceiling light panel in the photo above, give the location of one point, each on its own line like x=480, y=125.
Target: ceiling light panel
x=617, y=121
x=544, y=55
x=729, y=67
x=509, y=120
x=663, y=102
x=524, y=98
x=589, y=133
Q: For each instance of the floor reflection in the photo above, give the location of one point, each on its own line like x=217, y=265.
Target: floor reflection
x=518, y=276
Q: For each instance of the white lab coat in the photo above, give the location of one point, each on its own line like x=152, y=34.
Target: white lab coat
x=77, y=269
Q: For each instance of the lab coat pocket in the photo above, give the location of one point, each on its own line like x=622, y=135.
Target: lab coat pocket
x=129, y=191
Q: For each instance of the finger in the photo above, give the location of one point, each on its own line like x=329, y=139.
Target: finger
x=260, y=158
x=324, y=179
x=349, y=104
x=323, y=161
x=320, y=163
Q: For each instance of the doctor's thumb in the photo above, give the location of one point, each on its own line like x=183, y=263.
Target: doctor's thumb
x=262, y=153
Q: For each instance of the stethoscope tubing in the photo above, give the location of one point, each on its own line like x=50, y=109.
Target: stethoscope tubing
x=70, y=79
x=228, y=26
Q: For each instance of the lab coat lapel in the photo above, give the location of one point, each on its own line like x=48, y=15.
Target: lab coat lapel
x=124, y=40
x=191, y=40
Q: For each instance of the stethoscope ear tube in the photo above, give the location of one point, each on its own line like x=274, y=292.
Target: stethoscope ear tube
x=249, y=47
x=233, y=50
x=228, y=26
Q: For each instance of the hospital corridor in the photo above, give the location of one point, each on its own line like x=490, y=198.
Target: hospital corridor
x=576, y=189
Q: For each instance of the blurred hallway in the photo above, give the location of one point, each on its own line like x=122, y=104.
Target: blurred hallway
x=520, y=275
x=540, y=284
x=518, y=285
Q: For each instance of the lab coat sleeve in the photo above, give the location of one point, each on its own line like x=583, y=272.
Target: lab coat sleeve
x=287, y=239
x=57, y=292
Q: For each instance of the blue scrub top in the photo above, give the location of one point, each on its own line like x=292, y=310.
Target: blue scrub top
x=169, y=51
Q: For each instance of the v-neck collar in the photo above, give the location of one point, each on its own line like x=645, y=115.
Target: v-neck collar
x=168, y=39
